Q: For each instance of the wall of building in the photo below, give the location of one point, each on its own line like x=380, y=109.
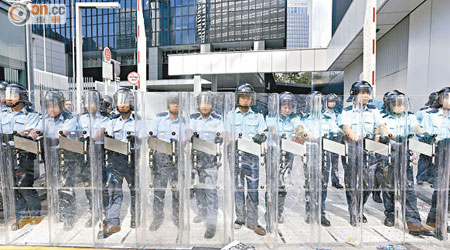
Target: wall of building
x=429, y=53
x=56, y=58
x=414, y=56
x=392, y=59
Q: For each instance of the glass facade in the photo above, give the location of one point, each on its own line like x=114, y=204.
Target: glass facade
x=173, y=22
x=298, y=24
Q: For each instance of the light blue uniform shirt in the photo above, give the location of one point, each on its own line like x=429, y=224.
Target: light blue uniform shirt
x=400, y=126
x=249, y=124
x=438, y=123
x=208, y=128
x=421, y=113
x=98, y=121
x=23, y=120
x=118, y=128
x=370, y=118
x=284, y=126
x=163, y=127
x=66, y=122
x=327, y=125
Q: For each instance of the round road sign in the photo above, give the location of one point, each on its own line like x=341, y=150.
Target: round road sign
x=107, y=55
x=133, y=78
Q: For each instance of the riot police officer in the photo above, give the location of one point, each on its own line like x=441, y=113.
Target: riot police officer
x=400, y=124
x=328, y=126
x=360, y=94
x=166, y=127
x=206, y=125
x=437, y=122
x=55, y=123
x=120, y=166
x=106, y=105
x=251, y=126
x=20, y=118
x=91, y=123
x=424, y=165
x=332, y=112
x=287, y=124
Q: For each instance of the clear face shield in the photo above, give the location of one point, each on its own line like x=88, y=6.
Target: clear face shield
x=124, y=100
x=400, y=105
x=12, y=95
x=246, y=99
x=288, y=106
x=2, y=96
x=363, y=96
x=205, y=104
x=52, y=105
x=92, y=102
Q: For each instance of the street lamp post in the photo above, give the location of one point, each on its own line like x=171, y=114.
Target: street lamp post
x=79, y=41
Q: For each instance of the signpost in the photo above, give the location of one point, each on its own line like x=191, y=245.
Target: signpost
x=133, y=79
x=107, y=55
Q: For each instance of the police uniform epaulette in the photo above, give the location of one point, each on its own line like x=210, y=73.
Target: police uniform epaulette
x=216, y=116
x=423, y=108
x=410, y=113
x=67, y=115
x=348, y=108
x=162, y=114
x=29, y=109
x=433, y=111
x=326, y=116
x=195, y=116
x=385, y=115
x=113, y=116
x=371, y=106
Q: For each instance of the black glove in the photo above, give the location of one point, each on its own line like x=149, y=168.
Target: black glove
x=194, y=135
x=131, y=138
x=259, y=138
x=384, y=139
x=428, y=138
x=340, y=137
x=218, y=140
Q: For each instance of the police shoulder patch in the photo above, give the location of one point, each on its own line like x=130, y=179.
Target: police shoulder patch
x=371, y=106
x=67, y=115
x=162, y=114
x=348, y=108
x=113, y=116
x=216, y=116
x=195, y=116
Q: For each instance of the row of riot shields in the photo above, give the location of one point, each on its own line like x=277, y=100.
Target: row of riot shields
x=184, y=169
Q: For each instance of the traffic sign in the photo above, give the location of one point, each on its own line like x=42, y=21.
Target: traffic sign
x=107, y=55
x=133, y=78
x=116, y=68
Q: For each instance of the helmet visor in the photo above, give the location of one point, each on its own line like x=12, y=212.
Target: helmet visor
x=12, y=93
x=123, y=99
x=246, y=99
x=400, y=104
x=205, y=100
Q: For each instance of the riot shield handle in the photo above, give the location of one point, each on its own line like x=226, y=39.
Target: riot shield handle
x=85, y=147
x=239, y=163
x=174, y=149
x=61, y=133
x=129, y=146
x=39, y=140
x=150, y=163
x=218, y=151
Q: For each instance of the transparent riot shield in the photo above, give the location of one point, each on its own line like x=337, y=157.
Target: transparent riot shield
x=440, y=198
x=115, y=173
x=25, y=194
x=65, y=160
x=209, y=160
x=254, y=199
x=345, y=206
x=297, y=126
x=160, y=130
